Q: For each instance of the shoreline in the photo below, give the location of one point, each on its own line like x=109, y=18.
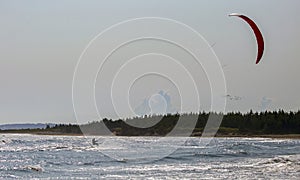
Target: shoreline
x=272, y=136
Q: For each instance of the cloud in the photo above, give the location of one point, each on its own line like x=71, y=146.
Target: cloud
x=159, y=103
x=265, y=103
x=143, y=109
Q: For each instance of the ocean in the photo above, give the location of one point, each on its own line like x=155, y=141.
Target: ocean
x=75, y=157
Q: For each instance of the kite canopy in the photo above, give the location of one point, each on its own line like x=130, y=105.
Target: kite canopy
x=258, y=35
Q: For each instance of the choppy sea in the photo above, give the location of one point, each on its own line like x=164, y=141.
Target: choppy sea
x=67, y=157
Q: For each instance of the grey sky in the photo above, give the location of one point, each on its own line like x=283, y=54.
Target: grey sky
x=41, y=41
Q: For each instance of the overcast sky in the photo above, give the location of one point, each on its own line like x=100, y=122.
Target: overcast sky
x=41, y=42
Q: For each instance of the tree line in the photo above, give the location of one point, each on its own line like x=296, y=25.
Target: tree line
x=234, y=123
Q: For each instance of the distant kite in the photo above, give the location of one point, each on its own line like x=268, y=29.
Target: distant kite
x=233, y=98
x=259, y=37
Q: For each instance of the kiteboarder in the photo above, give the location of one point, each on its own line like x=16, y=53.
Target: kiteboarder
x=94, y=142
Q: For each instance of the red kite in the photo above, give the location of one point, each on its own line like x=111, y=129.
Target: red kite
x=258, y=35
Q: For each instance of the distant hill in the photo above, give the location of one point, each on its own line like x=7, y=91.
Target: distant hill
x=25, y=126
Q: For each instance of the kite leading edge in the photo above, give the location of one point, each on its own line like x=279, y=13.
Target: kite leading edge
x=258, y=35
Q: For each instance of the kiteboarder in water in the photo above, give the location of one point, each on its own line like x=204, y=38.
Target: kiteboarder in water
x=94, y=142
